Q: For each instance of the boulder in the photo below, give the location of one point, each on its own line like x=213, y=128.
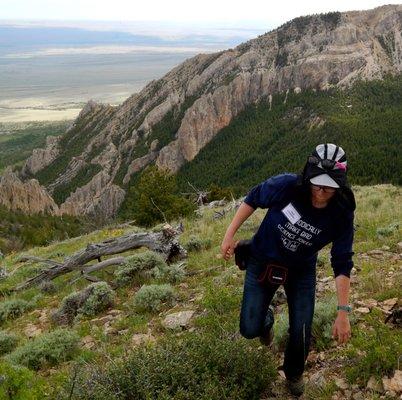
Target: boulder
x=393, y=384
x=178, y=320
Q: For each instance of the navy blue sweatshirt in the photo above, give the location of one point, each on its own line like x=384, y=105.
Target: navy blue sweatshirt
x=293, y=230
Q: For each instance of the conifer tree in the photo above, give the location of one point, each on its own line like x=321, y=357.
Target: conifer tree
x=155, y=198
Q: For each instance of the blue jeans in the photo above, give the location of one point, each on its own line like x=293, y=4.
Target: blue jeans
x=256, y=318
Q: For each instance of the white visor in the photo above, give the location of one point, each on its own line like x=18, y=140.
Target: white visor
x=324, y=180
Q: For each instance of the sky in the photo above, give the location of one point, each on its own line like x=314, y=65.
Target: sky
x=229, y=12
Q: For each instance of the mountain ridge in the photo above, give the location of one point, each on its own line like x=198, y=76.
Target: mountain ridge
x=176, y=116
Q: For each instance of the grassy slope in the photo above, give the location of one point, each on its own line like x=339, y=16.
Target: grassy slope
x=217, y=290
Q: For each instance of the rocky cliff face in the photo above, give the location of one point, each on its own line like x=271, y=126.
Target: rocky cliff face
x=173, y=118
x=41, y=158
x=98, y=197
x=28, y=197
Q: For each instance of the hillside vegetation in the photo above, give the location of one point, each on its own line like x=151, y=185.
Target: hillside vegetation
x=18, y=140
x=263, y=140
x=118, y=344
x=18, y=230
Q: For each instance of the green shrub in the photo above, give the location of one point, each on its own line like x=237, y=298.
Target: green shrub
x=90, y=301
x=196, y=244
x=19, y=383
x=46, y=350
x=373, y=350
x=389, y=230
x=197, y=366
x=100, y=298
x=220, y=300
x=47, y=287
x=221, y=304
x=136, y=264
x=281, y=332
x=322, y=392
x=34, y=300
x=151, y=297
x=172, y=273
x=13, y=308
x=321, y=261
x=7, y=342
x=231, y=276
x=376, y=202
x=218, y=193
x=324, y=316
x=155, y=198
x=321, y=330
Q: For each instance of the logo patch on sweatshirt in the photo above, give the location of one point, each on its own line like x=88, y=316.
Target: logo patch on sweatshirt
x=291, y=213
x=291, y=245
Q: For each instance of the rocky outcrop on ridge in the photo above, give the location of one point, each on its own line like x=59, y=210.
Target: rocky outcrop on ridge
x=99, y=196
x=41, y=158
x=29, y=197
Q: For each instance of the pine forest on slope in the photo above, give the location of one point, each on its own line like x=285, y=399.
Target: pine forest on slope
x=365, y=120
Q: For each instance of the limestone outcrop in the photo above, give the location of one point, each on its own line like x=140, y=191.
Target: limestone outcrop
x=99, y=197
x=41, y=158
x=28, y=197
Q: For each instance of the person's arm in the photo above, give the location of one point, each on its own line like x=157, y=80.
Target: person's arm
x=342, y=291
x=262, y=195
x=341, y=327
x=342, y=263
x=242, y=213
x=228, y=244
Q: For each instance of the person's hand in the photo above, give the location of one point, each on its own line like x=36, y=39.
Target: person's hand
x=227, y=247
x=341, y=328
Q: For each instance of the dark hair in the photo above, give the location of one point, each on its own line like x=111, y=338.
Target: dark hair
x=343, y=196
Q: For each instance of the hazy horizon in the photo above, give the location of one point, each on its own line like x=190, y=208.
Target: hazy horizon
x=49, y=72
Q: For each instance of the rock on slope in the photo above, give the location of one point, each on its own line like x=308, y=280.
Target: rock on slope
x=28, y=197
x=173, y=118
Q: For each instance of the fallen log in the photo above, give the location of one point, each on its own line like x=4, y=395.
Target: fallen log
x=104, y=264
x=27, y=258
x=163, y=242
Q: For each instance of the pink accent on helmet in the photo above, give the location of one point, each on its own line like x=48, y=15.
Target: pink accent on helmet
x=340, y=166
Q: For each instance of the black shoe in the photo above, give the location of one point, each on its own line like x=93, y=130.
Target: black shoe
x=266, y=338
x=295, y=385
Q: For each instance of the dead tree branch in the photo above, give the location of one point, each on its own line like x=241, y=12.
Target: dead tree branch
x=104, y=264
x=164, y=242
x=27, y=258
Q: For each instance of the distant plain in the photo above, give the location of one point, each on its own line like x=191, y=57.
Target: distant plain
x=56, y=87
x=49, y=73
